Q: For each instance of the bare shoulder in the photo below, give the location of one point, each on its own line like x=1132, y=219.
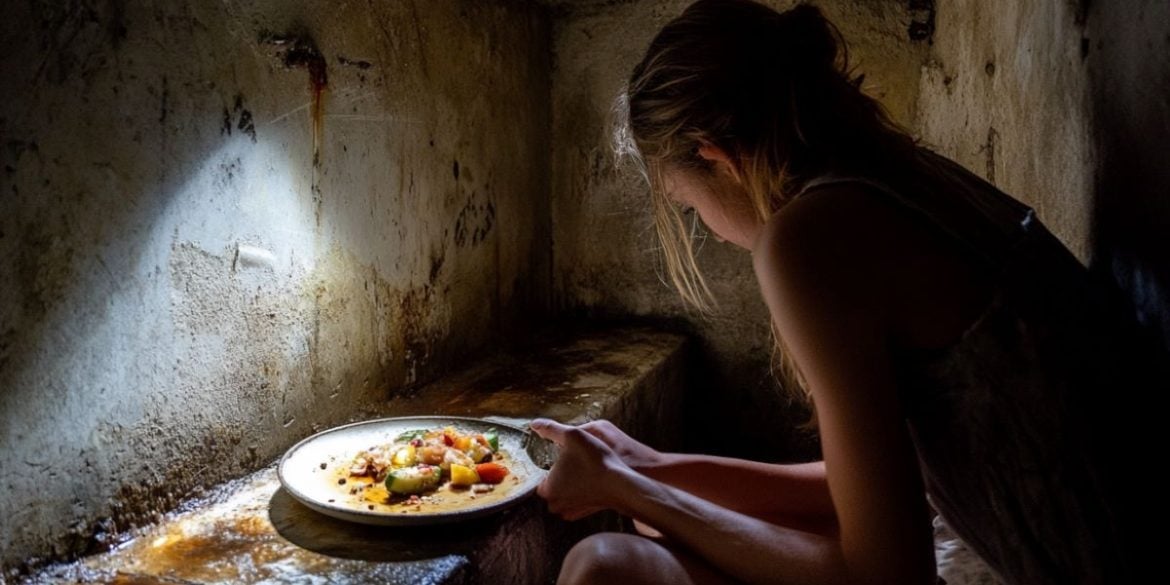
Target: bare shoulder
x=844, y=212
x=849, y=249
x=840, y=237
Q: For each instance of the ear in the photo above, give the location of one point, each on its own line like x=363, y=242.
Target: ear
x=719, y=157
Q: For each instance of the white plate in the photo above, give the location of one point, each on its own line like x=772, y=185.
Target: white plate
x=301, y=473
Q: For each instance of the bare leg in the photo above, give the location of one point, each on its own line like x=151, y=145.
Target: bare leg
x=611, y=558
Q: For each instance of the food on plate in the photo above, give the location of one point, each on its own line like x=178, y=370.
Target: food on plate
x=422, y=461
x=491, y=472
x=413, y=480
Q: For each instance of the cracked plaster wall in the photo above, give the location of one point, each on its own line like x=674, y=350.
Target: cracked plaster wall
x=201, y=262
x=1004, y=94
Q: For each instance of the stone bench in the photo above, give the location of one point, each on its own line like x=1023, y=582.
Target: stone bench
x=251, y=530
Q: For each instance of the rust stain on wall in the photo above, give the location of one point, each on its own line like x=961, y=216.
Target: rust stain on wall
x=298, y=50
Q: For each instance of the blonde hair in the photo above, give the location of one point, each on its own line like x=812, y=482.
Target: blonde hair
x=772, y=89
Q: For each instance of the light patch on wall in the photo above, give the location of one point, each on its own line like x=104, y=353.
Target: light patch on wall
x=254, y=194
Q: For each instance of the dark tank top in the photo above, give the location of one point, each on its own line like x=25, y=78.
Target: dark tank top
x=1023, y=427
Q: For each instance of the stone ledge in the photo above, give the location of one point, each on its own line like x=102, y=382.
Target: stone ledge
x=628, y=375
x=251, y=531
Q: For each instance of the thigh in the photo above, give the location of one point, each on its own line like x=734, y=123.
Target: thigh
x=611, y=558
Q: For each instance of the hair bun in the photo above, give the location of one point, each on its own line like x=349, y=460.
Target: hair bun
x=810, y=36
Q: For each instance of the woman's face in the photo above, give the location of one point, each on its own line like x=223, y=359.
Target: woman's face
x=719, y=199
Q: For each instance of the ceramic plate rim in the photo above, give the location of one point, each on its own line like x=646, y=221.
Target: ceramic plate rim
x=384, y=519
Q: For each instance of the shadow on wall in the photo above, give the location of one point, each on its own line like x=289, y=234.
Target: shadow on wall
x=1128, y=49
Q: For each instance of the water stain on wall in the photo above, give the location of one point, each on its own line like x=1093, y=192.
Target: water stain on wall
x=922, y=16
x=238, y=118
x=989, y=151
x=475, y=220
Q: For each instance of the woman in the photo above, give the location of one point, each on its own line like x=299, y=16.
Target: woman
x=951, y=347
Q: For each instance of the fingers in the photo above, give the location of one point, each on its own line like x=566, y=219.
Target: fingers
x=549, y=429
x=606, y=431
x=598, y=428
x=561, y=434
x=600, y=425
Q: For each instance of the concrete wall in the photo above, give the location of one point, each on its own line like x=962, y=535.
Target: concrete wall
x=201, y=262
x=604, y=244
x=1064, y=105
x=1128, y=47
x=1004, y=93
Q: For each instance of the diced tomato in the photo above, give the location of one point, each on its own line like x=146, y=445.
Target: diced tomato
x=491, y=472
x=448, y=440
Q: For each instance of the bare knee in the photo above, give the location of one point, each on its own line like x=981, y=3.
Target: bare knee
x=612, y=558
x=605, y=558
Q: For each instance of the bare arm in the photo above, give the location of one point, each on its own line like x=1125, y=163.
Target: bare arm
x=589, y=476
x=746, y=548
x=793, y=495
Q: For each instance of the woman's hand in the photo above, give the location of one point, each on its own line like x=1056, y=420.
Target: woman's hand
x=583, y=480
x=637, y=456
